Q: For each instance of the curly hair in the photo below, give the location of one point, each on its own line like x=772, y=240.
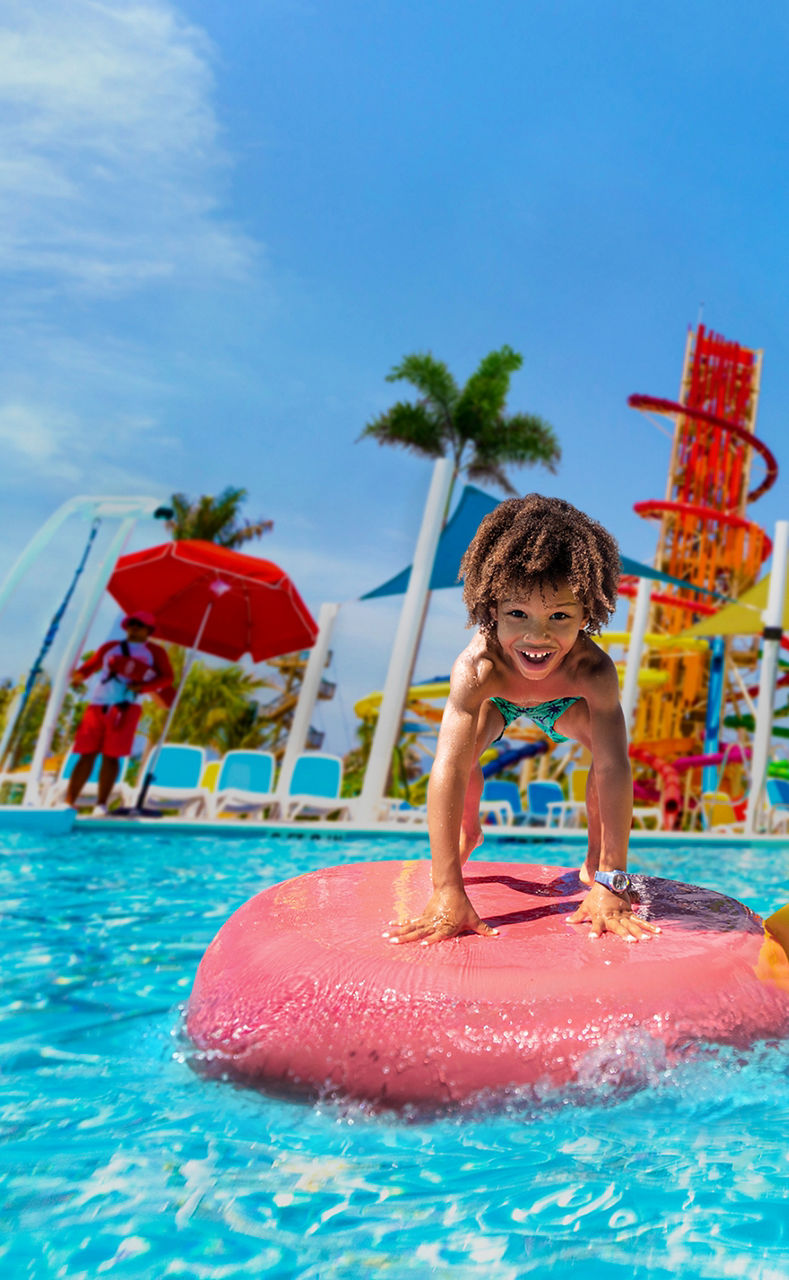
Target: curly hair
x=526, y=542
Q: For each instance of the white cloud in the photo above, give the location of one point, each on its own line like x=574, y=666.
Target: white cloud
x=112, y=165
x=36, y=443
x=55, y=446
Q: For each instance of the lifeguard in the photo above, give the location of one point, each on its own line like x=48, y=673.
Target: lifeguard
x=124, y=671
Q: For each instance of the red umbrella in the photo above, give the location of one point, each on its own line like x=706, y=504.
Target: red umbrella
x=243, y=604
x=216, y=601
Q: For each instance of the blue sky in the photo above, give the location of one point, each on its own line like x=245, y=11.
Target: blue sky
x=225, y=222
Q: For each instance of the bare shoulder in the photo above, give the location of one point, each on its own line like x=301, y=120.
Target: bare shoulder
x=595, y=673
x=473, y=675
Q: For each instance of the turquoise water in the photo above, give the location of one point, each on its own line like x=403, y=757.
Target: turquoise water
x=118, y=1159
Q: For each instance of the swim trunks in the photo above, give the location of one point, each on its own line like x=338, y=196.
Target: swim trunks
x=108, y=730
x=545, y=714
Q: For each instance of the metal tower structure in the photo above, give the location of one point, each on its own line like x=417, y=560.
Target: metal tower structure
x=706, y=538
x=705, y=535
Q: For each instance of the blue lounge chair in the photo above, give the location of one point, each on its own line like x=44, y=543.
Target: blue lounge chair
x=544, y=802
x=500, y=803
x=56, y=794
x=777, y=804
x=176, y=780
x=245, y=784
x=314, y=789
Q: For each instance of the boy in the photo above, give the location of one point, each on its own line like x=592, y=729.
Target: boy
x=540, y=576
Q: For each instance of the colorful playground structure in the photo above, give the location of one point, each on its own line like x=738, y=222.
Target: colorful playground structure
x=707, y=539
x=690, y=687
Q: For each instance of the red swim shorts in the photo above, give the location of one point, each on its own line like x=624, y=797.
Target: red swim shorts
x=108, y=731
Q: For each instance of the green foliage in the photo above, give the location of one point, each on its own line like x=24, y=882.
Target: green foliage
x=216, y=708
x=6, y=698
x=469, y=424
x=406, y=763
x=214, y=519
x=417, y=790
x=406, y=767
x=25, y=735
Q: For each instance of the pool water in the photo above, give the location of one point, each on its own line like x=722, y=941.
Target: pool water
x=119, y=1159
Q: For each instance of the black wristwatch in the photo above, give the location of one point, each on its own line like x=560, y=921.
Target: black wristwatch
x=616, y=881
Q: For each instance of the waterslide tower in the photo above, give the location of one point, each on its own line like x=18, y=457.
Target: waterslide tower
x=705, y=538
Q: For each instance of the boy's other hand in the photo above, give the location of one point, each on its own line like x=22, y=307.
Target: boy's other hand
x=447, y=914
x=609, y=912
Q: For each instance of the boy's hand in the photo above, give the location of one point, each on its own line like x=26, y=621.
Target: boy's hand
x=611, y=913
x=448, y=913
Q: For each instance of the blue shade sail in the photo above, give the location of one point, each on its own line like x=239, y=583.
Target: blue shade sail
x=474, y=504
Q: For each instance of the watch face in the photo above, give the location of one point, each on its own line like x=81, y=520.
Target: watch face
x=620, y=882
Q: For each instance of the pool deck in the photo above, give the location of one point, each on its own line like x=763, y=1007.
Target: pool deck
x=62, y=821
x=55, y=822
x=354, y=830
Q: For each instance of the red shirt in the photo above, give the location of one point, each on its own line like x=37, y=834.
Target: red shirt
x=146, y=664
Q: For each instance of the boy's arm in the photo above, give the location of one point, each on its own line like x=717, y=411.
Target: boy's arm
x=614, y=780
x=448, y=911
x=610, y=912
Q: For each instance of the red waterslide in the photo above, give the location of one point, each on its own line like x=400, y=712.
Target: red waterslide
x=671, y=788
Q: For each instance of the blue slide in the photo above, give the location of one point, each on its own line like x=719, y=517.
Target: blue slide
x=507, y=758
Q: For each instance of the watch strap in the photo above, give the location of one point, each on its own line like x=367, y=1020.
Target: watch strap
x=615, y=881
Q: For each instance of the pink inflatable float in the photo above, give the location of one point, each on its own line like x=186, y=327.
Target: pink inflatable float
x=299, y=990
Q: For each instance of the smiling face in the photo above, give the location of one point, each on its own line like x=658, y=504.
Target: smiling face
x=537, y=628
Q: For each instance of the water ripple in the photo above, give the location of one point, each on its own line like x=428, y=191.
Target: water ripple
x=117, y=1158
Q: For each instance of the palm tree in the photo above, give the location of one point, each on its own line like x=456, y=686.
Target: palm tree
x=470, y=426
x=470, y=423
x=214, y=519
x=216, y=709
x=26, y=731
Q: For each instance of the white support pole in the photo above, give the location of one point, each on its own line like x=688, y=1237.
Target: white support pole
x=38, y=543
x=70, y=655
x=308, y=693
x=387, y=730
x=773, y=625
x=111, y=508
x=635, y=651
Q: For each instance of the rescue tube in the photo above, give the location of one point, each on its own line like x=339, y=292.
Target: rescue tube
x=130, y=669
x=300, y=991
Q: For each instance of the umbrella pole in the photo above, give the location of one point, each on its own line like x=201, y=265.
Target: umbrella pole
x=150, y=772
